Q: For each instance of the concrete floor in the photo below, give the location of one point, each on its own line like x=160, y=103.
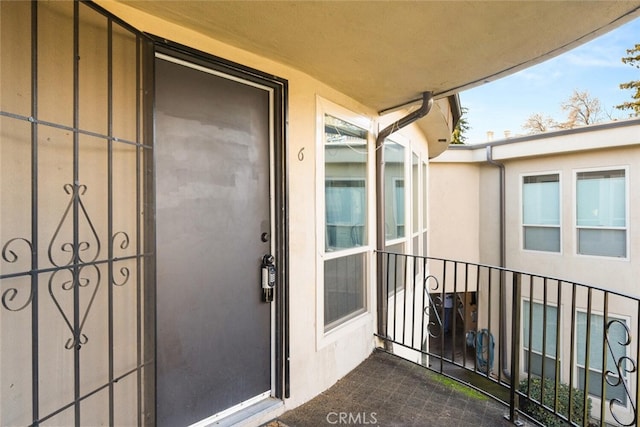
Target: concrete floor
x=386, y=390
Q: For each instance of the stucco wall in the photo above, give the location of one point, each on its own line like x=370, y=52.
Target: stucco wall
x=454, y=206
x=607, y=272
x=465, y=186
x=314, y=366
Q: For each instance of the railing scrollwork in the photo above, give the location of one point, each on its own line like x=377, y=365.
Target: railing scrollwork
x=434, y=306
x=624, y=365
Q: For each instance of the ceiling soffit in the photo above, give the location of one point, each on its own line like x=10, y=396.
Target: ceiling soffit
x=384, y=53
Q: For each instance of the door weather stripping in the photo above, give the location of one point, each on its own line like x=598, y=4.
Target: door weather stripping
x=427, y=103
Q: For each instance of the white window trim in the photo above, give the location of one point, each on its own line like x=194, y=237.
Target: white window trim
x=575, y=213
x=365, y=317
x=404, y=142
x=521, y=213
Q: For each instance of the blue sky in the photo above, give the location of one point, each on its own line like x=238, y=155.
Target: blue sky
x=595, y=67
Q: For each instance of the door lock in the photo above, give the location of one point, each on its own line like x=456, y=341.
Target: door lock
x=268, y=277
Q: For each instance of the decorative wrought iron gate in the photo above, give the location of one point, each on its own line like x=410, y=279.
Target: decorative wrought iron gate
x=76, y=250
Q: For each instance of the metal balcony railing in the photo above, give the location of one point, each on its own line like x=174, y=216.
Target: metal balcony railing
x=533, y=342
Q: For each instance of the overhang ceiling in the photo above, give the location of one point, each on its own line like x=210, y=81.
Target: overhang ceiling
x=385, y=53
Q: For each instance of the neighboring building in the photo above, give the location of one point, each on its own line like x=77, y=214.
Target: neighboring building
x=571, y=212
x=154, y=154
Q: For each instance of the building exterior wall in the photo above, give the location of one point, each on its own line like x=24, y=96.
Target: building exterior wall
x=463, y=170
x=602, y=271
x=455, y=203
x=317, y=360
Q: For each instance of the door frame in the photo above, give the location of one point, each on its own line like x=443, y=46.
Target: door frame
x=279, y=173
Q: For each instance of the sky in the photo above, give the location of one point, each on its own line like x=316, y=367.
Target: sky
x=596, y=67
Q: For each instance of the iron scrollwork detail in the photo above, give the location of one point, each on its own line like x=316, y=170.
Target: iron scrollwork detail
x=434, y=306
x=10, y=255
x=623, y=365
x=79, y=280
x=76, y=267
x=81, y=247
x=123, y=239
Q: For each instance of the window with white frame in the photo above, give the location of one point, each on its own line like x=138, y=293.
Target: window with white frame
x=418, y=208
x=419, y=204
x=611, y=338
x=538, y=340
x=541, y=212
x=345, y=201
x=394, y=194
x=394, y=212
x=601, y=213
x=424, y=192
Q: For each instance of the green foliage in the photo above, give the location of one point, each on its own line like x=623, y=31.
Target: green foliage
x=458, y=136
x=546, y=417
x=634, y=60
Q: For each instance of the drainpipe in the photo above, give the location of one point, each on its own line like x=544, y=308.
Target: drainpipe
x=502, y=205
x=427, y=103
x=503, y=325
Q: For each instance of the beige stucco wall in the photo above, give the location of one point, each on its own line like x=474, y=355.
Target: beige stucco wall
x=55, y=180
x=468, y=176
x=606, y=272
x=315, y=364
x=454, y=205
x=462, y=180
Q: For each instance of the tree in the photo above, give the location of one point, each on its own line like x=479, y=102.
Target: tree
x=581, y=110
x=538, y=123
x=634, y=60
x=458, y=136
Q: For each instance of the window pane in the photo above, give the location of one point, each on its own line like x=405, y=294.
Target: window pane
x=542, y=239
x=415, y=183
x=541, y=200
x=424, y=244
x=615, y=391
x=344, y=288
x=424, y=193
x=537, y=332
x=345, y=213
x=601, y=199
x=602, y=242
x=345, y=184
x=536, y=365
x=394, y=191
x=616, y=336
x=395, y=275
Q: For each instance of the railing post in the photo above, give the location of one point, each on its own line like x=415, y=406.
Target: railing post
x=515, y=346
x=381, y=296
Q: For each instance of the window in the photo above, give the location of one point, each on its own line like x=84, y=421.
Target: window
x=394, y=213
x=533, y=362
x=601, y=213
x=616, y=336
x=541, y=212
x=346, y=212
x=424, y=193
x=345, y=229
x=394, y=192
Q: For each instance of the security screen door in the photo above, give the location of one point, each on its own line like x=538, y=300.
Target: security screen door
x=213, y=138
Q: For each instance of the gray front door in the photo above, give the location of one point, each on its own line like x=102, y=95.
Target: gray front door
x=213, y=226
